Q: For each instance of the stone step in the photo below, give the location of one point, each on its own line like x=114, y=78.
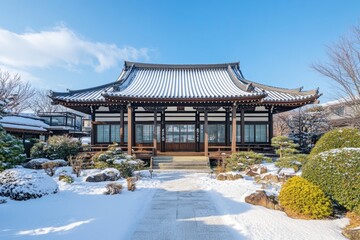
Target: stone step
x=181, y=162
x=182, y=167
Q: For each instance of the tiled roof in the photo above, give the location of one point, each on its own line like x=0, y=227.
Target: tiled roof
x=185, y=83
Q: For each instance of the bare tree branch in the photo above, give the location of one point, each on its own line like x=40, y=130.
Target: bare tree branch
x=42, y=103
x=343, y=67
x=20, y=93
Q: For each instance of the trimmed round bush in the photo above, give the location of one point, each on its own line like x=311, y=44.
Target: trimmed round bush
x=337, y=173
x=301, y=198
x=23, y=184
x=337, y=138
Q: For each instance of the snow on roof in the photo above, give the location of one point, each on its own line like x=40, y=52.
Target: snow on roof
x=19, y=122
x=23, y=127
x=196, y=81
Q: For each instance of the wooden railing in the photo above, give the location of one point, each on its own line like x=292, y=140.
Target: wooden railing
x=139, y=151
x=221, y=151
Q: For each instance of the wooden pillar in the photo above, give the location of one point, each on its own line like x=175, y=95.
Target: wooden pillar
x=162, y=131
x=92, y=111
x=197, y=131
x=122, y=140
x=133, y=126
x=155, y=131
x=271, y=127
x=227, y=127
x=130, y=128
x=233, y=136
x=242, y=126
x=206, y=134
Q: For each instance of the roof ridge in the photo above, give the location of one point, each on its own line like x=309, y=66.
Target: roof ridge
x=54, y=94
x=159, y=65
x=287, y=90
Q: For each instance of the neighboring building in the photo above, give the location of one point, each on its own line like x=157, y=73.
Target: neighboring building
x=64, y=123
x=341, y=113
x=25, y=127
x=195, y=108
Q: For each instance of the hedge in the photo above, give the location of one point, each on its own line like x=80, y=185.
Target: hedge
x=337, y=173
x=337, y=138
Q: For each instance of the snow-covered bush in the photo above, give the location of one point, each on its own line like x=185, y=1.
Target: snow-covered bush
x=131, y=185
x=56, y=147
x=114, y=158
x=66, y=178
x=337, y=173
x=11, y=150
x=3, y=200
x=24, y=184
x=50, y=167
x=76, y=163
x=337, y=138
x=243, y=160
x=301, y=198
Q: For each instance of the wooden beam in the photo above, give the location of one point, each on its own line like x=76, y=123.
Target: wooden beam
x=233, y=136
x=130, y=128
x=206, y=134
x=155, y=131
x=122, y=124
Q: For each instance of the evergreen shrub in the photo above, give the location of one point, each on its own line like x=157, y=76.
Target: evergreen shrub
x=240, y=161
x=289, y=155
x=337, y=173
x=301, y=198
x=57, y=147
x=337, y=138
x=114, y=158
x=11, y=150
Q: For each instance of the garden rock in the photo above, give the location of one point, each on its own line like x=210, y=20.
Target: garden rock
x=271, y=178
x=108, y=174
x=235, y=176
x=113, y=188
x=263, y=170
x=251, y=173
x=221, y=177
x=23, y=184
x=261, y=199
x=99, y=177
x=36, y=163
x=352, y=234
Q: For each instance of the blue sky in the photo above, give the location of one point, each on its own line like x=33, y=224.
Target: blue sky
x=76, y=44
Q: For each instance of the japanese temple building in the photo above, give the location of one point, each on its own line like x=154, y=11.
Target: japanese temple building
x=188, y=108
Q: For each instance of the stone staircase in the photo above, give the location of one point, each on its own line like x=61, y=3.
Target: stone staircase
x=181, y=162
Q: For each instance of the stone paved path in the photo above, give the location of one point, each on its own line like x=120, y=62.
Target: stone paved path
x=181, y=210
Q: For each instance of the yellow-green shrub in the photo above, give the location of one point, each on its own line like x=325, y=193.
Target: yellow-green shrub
x=299, y=197
x=337, y=173
x=337, y=138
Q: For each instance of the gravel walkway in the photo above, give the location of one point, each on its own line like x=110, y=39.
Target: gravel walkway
x=180, y=209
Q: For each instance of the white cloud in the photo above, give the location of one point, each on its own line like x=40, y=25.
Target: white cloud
x=61, y=47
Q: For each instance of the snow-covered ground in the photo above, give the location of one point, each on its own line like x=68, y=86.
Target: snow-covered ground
x=81, y=211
